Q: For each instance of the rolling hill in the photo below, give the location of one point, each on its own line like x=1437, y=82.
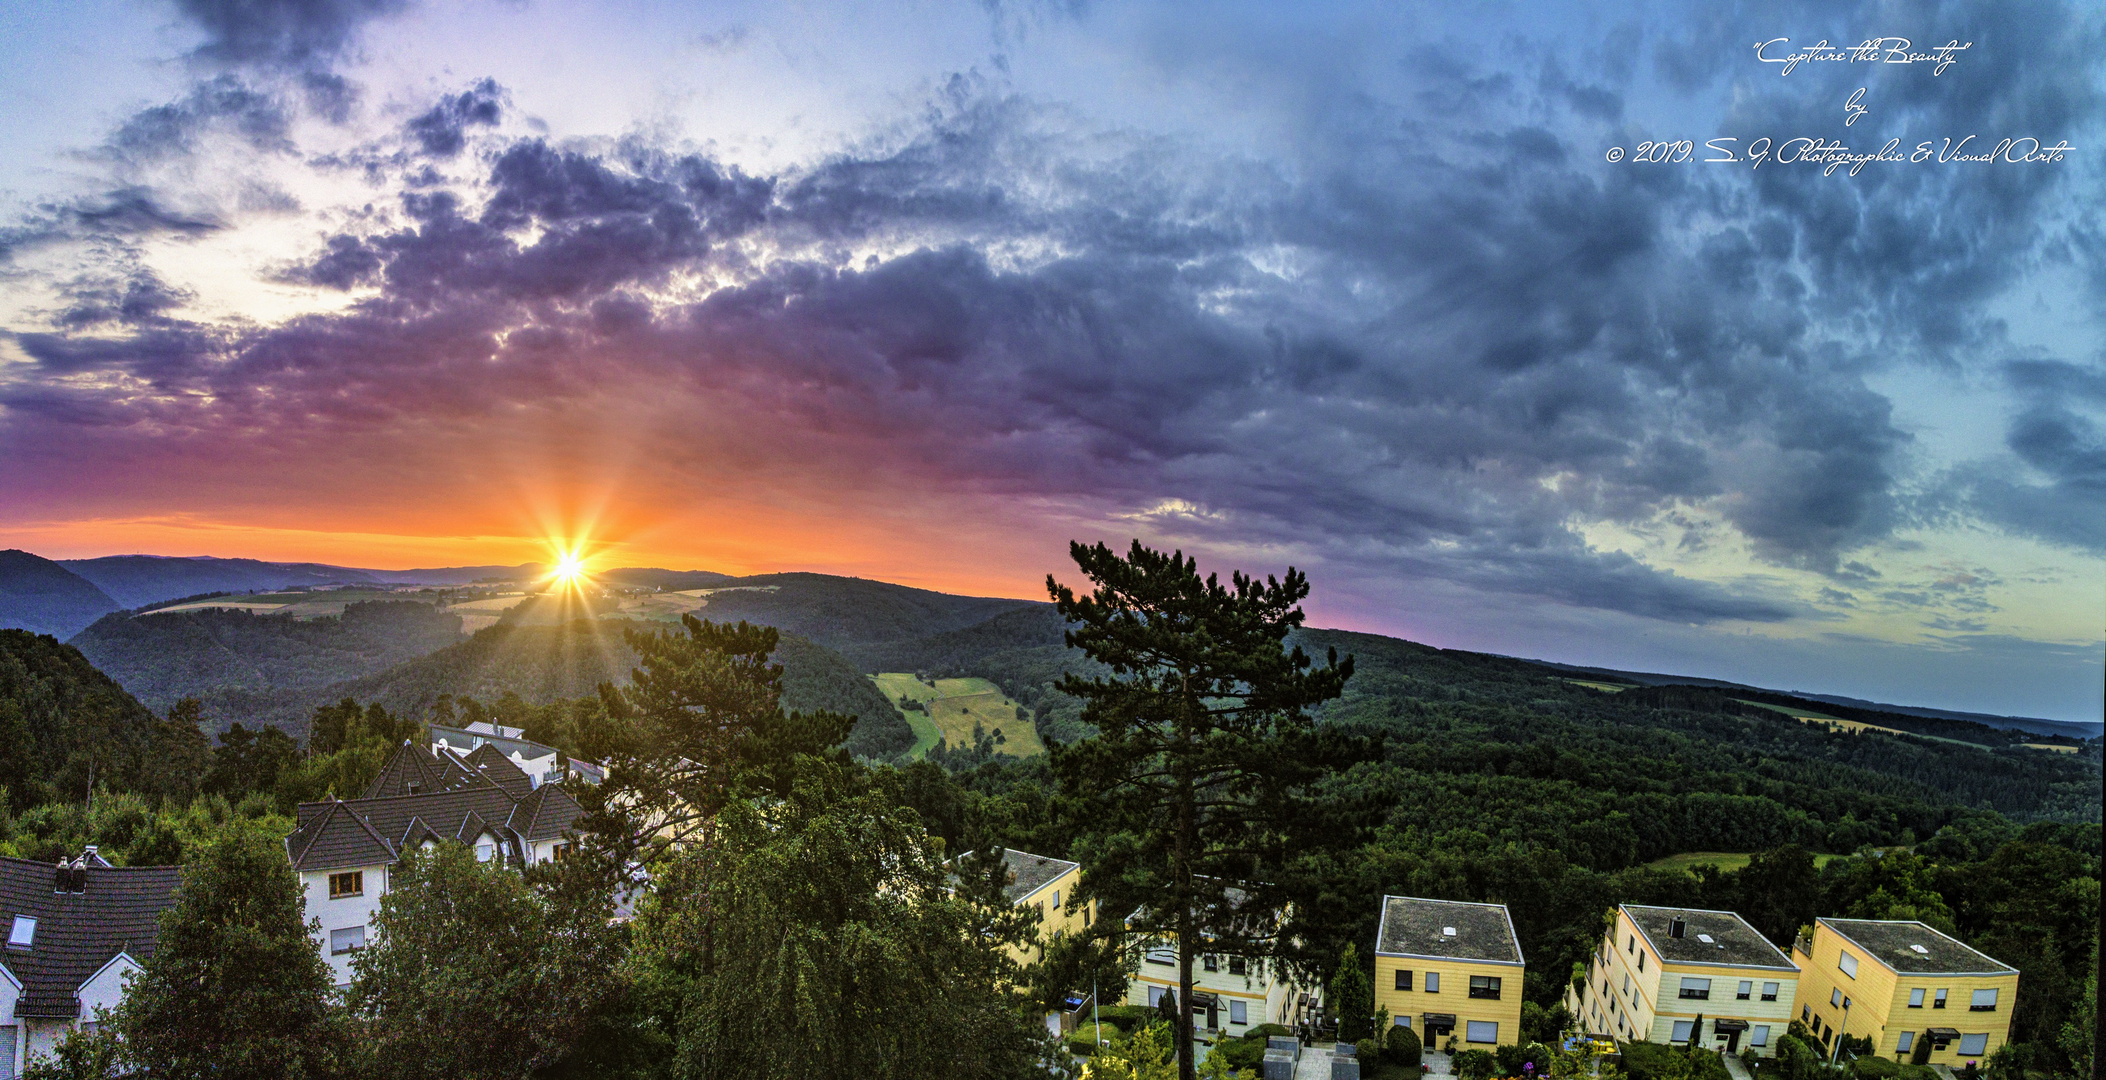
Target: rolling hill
x=43, y=597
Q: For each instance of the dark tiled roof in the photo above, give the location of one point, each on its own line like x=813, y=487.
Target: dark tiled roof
x=1733, y=941
x=500, y=770
x=1412, y=926
x=1889, y=941
x=78, y=933
x=328, y=836
x=429, y=771
x=546, y=814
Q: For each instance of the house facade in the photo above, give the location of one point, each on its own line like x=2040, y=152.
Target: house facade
x=1047, y=884
x=76, y=932
x=540, y=764
x=1687, y=975
x=1918, y=994
x=1447, y=970
x=344, y=850
x=1230, y=994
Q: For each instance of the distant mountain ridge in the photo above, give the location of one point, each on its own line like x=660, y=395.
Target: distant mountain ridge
x=43, y=597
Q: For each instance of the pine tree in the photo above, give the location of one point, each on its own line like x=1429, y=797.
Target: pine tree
x=1352, y=995
x=235, y=987
x=1205, y=755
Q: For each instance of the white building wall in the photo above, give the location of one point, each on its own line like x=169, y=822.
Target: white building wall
x=106, y=988
x=11, y=1039
x=341, y=913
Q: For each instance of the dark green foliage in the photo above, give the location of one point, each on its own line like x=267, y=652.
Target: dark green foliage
x=1542, y=1025
x=825, y=926
x=839, y=612
x=234, y=989
x=1205, y=759
x=1474, y=1064
x=1515, y=1058
x=215, y=653
x=1247, y=1052
x=71, y=725
x=81, y=1055
x=1402, y=1047
x=474, y=975
x=1352, y=996
x=1127, y=1018
x=1873, y=1067
x=247, y=761
x=817, y=679
x=700, y=726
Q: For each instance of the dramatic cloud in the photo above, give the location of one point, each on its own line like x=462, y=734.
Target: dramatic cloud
x=1444, y=341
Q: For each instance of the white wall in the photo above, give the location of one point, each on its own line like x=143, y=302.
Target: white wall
x=106, y=988
x=341, y=913
x=10, y=989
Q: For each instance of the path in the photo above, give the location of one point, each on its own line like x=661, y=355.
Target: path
x=1735, y=1068
x=1315, y=1064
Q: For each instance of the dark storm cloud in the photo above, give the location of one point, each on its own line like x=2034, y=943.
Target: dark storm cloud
x=443, y=129
x=1421, y=356
x=287, y=33
x=225, y=101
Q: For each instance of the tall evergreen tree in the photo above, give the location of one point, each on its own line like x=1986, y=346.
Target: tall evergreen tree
x=235, y=987
x=1205, y=757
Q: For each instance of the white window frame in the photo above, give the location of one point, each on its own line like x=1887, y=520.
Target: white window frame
x=1238, y=1011
x=1695, y=989
x=1835, y=997
x=1481, y=1031
x=1433, y=982
x=1746, y=990
x=335, y=950
x=1846, y=962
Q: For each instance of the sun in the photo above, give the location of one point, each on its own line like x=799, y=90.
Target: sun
x=568, y=571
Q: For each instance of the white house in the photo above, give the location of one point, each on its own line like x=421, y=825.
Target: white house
x=76, y=931
x=541, y=764
x=344, y=850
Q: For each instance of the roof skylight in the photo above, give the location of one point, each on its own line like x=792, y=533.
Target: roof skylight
x=24, y=933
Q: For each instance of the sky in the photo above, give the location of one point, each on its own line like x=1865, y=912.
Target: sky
x=922, y=292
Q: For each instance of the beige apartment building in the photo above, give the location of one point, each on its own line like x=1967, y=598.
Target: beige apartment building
x=1449, y=970
x=1918, y=994
x=1684, y=975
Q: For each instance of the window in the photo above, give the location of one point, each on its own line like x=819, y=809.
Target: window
x=1916, y=998
x=1835, y=997
x=1482, y=1031
x=1681, y=1032
x=560, y=852
x=1162, y=954
x=1696, y=989
x=485, y=852
x=1484, y=986
x=1769, y=991
x=1759, y=1035
x=1847, y=962
x=349, y=883
x=1056, y=899
x=1907, y=1042
x=24, y=933
x=1238, y=966
x=1433, y=982
x=1626, y=982
x=1972, y=1045
x=1806, y=1014
x=1210, y=962
x=1747, y=989
x=1155, y=996
x=1641, y=961
x=1630, y=943
x=1403, y=979
x=1400, y=1021
x=1983, y=1001
x=349, y=939
x=1938, y=1000
x=1238, y=1011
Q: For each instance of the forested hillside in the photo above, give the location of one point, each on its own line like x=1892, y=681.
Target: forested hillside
x=65, y=727
x=840, y=612
x=221, y=655
x=42, y=597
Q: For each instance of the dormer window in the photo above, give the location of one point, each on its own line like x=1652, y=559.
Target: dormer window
x=485, y=850
x=23, y=934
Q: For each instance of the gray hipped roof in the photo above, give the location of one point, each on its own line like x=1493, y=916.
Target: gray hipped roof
x=78, y=934
x=376, y=830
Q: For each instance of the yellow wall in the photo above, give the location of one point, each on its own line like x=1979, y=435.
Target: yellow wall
x=1454, y=996
x=1067, y=919
x=1652, y=1003
x=1268, y=997
x=1879, y=1001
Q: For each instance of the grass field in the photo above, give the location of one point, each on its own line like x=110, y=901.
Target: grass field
x=1605, y=687
x=298, y=605
x=2049, y=746
x=1724, y=860
x=955, y=705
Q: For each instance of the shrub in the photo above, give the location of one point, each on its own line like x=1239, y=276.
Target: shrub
x=1515, y=1057
x=1403, y=1047
x=1879, y=1068
x=1269, y=1031
x=1245, y=1053
x=1083, y=1040
x=1475, y=1064
x=1127, y=1017
x=1369, y=1051
x=1652, y=1061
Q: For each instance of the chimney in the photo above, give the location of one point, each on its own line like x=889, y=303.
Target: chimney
x=1675, y=928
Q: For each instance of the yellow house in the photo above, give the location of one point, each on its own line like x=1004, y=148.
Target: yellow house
x=1049, y=885
x=1683, y=975
x=1919, y=995
x=1230, y=994
x=1449, y=969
